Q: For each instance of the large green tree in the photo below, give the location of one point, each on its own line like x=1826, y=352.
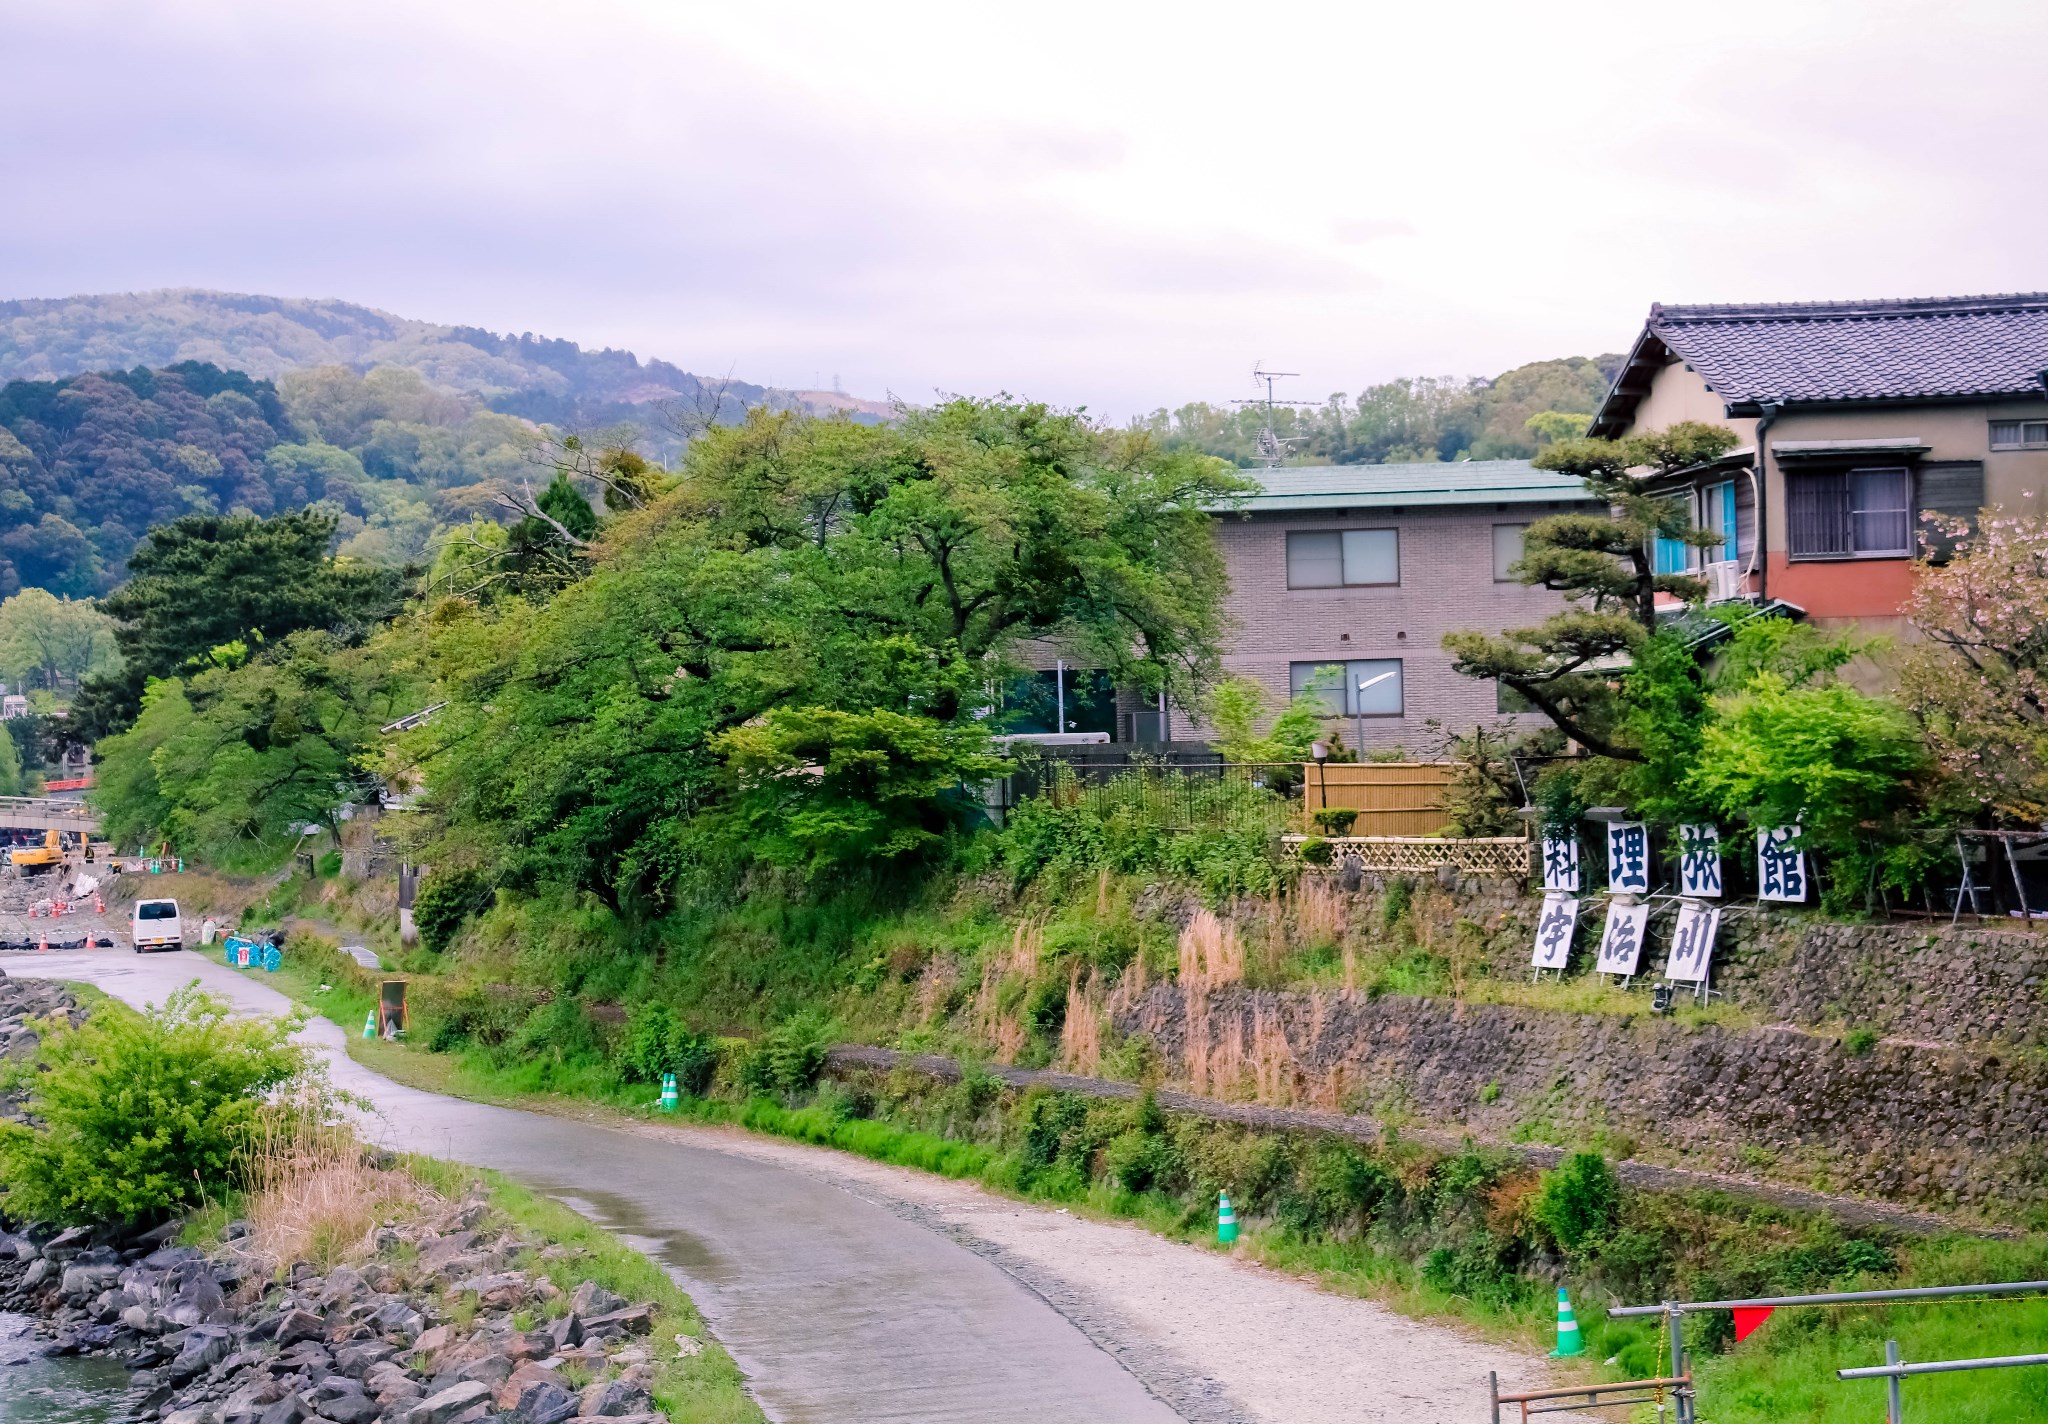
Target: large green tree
x=228, y=762
x=206, y=581
x=48, y=640
x=793, y=654
x=1572, y=665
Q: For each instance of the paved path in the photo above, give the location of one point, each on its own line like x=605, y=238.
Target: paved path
x=852, y=1291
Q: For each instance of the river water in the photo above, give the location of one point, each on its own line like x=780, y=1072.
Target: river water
x=38, y=1390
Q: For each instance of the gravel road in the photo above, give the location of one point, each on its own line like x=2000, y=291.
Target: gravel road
x=853, y=1291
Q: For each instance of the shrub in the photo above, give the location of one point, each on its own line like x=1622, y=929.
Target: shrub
x=1335, y=820
x=657, y=1042
x=1317, y=851
x=446, y=898
x=1579, y=1202
x=790, y=1056
x=557, y=1031
x=146, y=1113
x=1859, y=1041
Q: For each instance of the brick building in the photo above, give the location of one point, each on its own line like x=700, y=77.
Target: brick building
x=1345, y=578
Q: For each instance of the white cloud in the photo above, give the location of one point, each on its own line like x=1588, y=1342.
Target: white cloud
x=1113, y=205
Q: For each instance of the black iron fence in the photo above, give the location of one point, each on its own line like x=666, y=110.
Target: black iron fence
x=1171, y=791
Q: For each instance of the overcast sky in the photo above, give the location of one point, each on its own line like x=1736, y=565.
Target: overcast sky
x=1103, y=204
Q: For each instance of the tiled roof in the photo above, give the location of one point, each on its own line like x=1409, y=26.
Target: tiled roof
x=1939, y=348
x=1331, y=487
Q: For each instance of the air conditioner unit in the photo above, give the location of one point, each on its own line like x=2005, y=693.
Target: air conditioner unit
x=1723, y=580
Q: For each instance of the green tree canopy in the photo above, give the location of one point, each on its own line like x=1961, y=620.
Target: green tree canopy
x=1570, y=665
x=794, y=652
x=47, y=639
x=205, y=581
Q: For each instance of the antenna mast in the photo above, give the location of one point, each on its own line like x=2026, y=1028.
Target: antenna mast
x=1272, y=449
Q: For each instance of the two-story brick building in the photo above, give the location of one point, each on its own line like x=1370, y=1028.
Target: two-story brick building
x=1345, y=578
x=1855, y=418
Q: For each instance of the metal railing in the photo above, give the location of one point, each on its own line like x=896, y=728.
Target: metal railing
x=1162, y=795
x=1629, y=1392
x=1674, y=1313
x=1895, y=1370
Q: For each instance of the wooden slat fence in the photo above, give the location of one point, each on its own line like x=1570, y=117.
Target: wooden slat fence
x=1393, y=798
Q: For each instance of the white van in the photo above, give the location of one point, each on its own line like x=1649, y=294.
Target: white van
x=156, y=925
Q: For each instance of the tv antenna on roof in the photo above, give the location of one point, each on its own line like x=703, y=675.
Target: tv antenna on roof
x=1272, y=449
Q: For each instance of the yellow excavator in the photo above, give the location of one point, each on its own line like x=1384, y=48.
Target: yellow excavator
x=35, y=860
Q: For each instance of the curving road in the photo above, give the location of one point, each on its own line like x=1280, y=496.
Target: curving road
x=849, y=1291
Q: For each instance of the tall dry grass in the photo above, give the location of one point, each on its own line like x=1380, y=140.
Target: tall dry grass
x=1211, y=952
x=1081, y=1035
x=1005, y=1032
x=313, y=1192
x=1318, y=911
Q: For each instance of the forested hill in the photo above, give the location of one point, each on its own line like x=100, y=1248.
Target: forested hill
x=89, y=463
x=539, y=378
x=1410, y=418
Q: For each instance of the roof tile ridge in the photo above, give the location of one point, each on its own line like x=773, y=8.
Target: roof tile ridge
x=1877, y=307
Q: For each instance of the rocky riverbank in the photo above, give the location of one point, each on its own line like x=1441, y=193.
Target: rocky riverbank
x=441, y=1320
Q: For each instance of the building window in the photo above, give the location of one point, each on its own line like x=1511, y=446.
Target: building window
x=1508, y=540
x=1343, y=558
x=2019, y=434
x=1368, y=687
x=1671, y=556
x=1849, y=514
x=1717, y=512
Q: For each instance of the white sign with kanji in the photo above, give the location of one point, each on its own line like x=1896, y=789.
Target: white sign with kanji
x=1628, y=858
x=1561, y=864
x=1780, y=865
x=1622, y=943
x=1699, y=862
x=1692, y=942
x=1554, y=931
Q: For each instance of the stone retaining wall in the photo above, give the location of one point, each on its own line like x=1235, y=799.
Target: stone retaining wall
x=1940, y=1126
x=1979, y=984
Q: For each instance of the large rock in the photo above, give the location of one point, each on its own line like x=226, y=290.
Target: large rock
x=539, y=1401
x=590, y=1299
x=399, y=1323
x=299, y=1325
x=82, y=1282
x=355, y=1360
x=203, y=1347
x=448, y=1403
x=635, y=1320
x=615, y=1399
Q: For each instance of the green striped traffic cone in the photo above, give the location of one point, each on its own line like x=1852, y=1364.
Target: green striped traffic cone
x=370, y=1024
x=1226, y=1220
x=669, y=1102
x=1569, y=1341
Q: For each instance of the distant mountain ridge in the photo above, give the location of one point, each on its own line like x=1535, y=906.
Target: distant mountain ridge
x=539, y=378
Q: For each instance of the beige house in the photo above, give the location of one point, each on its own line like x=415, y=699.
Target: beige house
x=1856, y=418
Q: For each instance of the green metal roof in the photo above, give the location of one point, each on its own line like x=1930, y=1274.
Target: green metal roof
x=1334, y=487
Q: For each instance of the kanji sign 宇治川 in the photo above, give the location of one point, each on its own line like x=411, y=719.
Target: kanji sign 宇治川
x=1780, y=865
x=1561, y=863
x=1692, y=942
x=1554, y=932
x=1622, y=943
x=1628, y=858
x=1699, y=862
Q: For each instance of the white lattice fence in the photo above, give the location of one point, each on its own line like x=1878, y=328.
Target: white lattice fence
x=1478, y=855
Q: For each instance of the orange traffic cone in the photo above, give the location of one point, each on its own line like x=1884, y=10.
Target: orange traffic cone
x=99, y=904
x=46, y=942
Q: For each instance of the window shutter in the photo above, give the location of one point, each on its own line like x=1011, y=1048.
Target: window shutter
x=1952, y=487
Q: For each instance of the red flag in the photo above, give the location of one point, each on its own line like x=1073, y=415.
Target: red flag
x=1748, y=1318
